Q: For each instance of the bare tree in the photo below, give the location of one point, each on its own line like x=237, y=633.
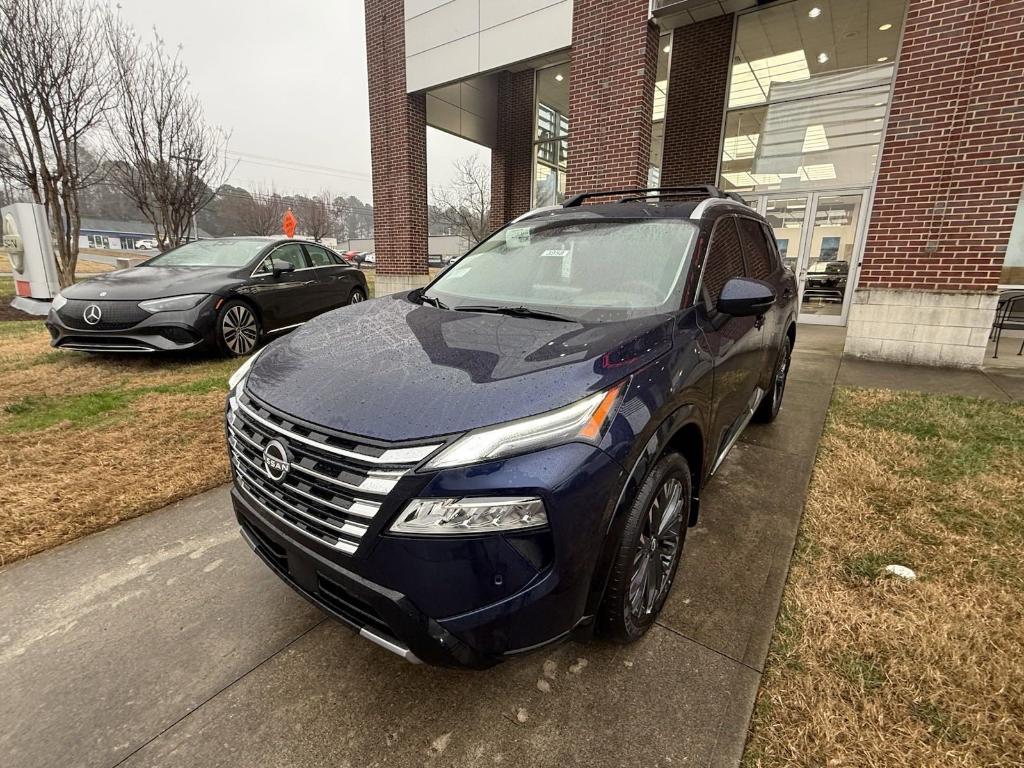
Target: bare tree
x=169, y=160
x=464, y=205
x=262, y=214
x=315, y=215
x=54, y=92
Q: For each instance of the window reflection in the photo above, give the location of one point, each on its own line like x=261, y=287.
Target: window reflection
x=808, y=93
x=551, y=143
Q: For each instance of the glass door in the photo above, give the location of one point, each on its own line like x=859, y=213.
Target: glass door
x=820, y=238
x=830, y=256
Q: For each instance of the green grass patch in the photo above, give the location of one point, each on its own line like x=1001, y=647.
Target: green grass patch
x=960, y=436
x=862, y=672
x=940, y=722
x=33, y=412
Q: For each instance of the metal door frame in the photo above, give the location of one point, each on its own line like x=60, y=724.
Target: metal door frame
x=760, y=204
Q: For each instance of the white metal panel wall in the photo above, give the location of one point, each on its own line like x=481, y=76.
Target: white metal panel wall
x=448, y=40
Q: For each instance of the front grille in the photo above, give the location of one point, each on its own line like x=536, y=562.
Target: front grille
x=334, y=485
x=114, y=315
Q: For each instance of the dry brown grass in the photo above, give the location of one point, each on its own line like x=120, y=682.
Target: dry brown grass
x=871, y=671
x=90, y=470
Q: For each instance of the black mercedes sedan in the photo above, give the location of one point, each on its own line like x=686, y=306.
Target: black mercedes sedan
x=225, y=294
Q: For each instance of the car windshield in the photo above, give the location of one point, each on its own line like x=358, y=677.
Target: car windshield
x=210, y=253
x=585, y=268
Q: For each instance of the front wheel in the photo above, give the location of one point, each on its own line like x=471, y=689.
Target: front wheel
x=238, y=329
x=648, y=554
x=357, y=295
x=772, y=401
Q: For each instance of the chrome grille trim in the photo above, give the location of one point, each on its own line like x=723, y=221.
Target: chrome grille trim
x=377, y=483
x=390, y=456
x=361, y=509
x=328, y=493
x=342, y=545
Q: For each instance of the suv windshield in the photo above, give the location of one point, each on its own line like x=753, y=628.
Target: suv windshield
x=210, y=253
x=581, y=268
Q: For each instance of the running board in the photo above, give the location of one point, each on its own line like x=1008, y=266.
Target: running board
x=747, y=416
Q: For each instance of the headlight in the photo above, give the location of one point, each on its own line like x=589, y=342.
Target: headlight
x=173, y=303
x=584, y=420
x=58, y=301
x=470, y=515
x=239, y=375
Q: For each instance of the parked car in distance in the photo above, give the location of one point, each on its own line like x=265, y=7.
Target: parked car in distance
x=826, y=280
x=531, y=430
x=226, y=293
x=370, y=258
x=145, y=245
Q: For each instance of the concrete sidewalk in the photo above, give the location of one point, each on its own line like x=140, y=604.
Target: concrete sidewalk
x=165, y=642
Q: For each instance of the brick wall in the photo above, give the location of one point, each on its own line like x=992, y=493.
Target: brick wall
x=398, y=146
x=952, y=164
x=611, y=94
x=697, y=85
x=512, y=155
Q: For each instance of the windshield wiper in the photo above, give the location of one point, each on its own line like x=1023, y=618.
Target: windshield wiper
x=519, y=311
x=432, y=300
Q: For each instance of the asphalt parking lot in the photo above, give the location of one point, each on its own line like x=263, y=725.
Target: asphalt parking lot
x=164, y=641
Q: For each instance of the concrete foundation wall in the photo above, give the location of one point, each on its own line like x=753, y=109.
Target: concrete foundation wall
x=920, y=327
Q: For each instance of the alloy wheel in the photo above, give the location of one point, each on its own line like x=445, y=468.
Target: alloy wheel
x=780, y=377
x=239, y=329
x=357, y=296
x=657, y=550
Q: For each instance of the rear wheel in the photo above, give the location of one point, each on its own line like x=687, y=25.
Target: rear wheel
x=357, y=295
x=648, y=555
x=772, y=401
x=238, y=329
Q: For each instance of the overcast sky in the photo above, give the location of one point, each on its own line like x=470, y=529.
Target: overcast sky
x=288, y=80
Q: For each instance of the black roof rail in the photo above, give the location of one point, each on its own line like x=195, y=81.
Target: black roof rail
x=636, y=194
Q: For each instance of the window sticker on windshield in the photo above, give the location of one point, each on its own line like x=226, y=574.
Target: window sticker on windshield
x=517, y=236
x=565, y=256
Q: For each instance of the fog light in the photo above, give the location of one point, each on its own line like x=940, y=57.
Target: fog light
x=470, y=515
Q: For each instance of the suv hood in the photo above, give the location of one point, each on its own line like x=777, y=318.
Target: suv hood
x=144, y=282
x=394, y=370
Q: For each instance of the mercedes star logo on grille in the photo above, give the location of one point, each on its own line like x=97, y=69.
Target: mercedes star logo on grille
x=92, y=314
x=275, y=460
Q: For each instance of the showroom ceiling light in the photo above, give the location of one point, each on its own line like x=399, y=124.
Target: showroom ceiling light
x=822, y=58
x=667, y=48
x=815, y=12
x=885, y=27
x=883, y=58
x=559, y=77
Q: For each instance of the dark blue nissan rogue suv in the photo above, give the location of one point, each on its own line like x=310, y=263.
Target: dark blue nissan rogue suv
x=512, y=455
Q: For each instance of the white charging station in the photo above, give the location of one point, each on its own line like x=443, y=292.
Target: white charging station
x=27, y=241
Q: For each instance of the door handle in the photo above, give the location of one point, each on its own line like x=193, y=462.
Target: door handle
x=759, y=322
x=788, y=293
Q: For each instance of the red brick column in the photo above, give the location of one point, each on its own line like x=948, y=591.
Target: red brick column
x=512, y=155
x=611, y=94
x=952, y=165
x=697, y=85
x=398, y=146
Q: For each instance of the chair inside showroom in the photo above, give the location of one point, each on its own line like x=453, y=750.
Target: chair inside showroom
x=1009, y=317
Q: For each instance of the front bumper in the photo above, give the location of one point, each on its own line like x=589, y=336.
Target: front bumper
x=465, y=601
x=159, y=332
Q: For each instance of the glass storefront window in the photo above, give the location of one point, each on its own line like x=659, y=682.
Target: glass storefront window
x=808, y=93
x=658, y=114
x=551, y=135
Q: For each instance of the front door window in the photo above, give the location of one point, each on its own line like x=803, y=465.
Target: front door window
x=826, y=277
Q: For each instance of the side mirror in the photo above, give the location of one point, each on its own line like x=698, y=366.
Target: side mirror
x=280, y=266
x=744, y=297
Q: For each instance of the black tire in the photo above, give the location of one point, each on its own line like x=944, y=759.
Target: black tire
x=358, y=294
x=238, y=329
x=772, y=401
x=631, y=604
